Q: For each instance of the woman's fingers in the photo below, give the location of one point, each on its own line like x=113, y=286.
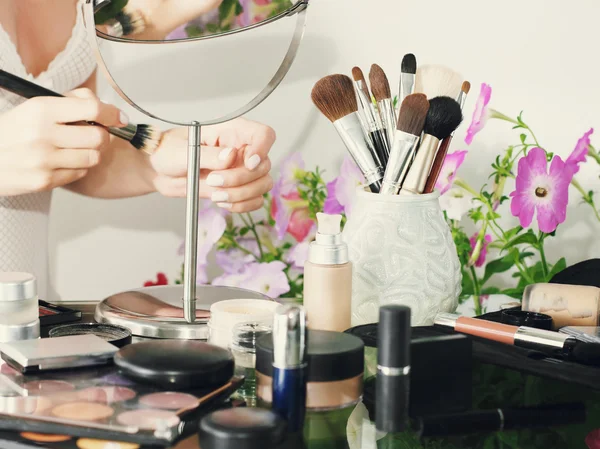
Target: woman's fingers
x=50, y=179
x=87, y=106
x=244, y=206
x=79, y=136
x=74, y=158
x=238, y=176
x=243, y=193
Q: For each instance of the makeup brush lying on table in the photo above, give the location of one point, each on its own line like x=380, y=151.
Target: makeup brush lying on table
x=334, y=96
x=438, y=163
x=142, y=137
x=371, y=120
x=411, y=119
x=443, y=118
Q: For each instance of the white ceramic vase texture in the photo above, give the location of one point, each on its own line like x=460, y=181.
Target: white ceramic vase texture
x=403, y=253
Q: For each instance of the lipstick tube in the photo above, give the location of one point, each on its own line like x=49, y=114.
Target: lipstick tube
x=289, y=365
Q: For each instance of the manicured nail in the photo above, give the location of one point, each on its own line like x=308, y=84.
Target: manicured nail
x=224, y=154
x=219, y=196
x=215, y=180
x=225, y=205
x=123, y=118
x=253, y=162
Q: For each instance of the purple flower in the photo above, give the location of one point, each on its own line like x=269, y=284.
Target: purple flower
x=178, y=33
x=231, y=279
x=292, y=167
x=267, y=278
x=580, y=152
x=235, y=260
x=592, y=440
x=345, y=188
x=211, y=226
x=536, y=189
x=480, y=114
x=202, y=274
x=479, y=249
x=332, y=206
x=299, y=254
x=286, y=201
x=452, y=162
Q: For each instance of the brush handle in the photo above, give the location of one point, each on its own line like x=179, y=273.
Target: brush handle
x=419, y=170
x=438, y=163
x=27, y=89
x=289, y=396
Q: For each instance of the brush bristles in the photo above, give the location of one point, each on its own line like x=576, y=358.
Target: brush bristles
x=147, y=138
x=466, y=87
x=358, y=75
x=443, y=117
x=413, y=111
x=438, y=81
x=131, y=21
x=409, y=64
x=334, y=96
x=380, y=85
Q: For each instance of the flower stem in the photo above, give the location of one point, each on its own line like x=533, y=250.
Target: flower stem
x=586, y=197
x=476, y=291
x=593, y=153
x=501, y=116
x=252, y=227
x=541, y=238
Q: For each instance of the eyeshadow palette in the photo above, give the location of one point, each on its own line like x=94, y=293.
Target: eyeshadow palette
x=101, y=404
x=51, y=314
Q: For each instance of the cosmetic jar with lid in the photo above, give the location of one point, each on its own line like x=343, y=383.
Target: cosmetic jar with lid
x=334, y=383
x=19, y=312
x=243, y=348
x=224, y=315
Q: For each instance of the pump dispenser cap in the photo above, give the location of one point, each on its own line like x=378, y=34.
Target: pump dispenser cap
x=328, y=247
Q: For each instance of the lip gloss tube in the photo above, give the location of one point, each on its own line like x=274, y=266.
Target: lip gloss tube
x=289, y=365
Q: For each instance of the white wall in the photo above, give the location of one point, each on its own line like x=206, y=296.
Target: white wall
x=539, y=55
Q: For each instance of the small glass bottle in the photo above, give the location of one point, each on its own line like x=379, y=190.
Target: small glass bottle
x=243, y=348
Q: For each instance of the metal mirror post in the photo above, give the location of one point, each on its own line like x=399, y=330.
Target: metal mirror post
x=114, y=309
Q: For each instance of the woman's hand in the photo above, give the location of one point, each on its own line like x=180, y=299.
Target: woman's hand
x=40, y=150
x=234, y=164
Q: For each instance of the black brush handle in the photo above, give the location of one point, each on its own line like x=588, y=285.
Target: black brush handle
x=24, y=88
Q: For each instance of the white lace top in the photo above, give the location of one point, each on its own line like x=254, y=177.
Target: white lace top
x=24, y=218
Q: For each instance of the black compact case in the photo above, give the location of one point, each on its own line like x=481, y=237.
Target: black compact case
x=441, y=371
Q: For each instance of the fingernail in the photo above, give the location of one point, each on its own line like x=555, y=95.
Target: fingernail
x=215, y=180
x=224, y=154
x=225, y=205
x=219, y=196
x=123, y=118
x=253, y=162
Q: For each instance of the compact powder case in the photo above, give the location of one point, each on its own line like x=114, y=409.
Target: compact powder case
x=176, y=364
x=115, y=335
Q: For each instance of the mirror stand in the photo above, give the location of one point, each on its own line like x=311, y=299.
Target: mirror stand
x=154, y=312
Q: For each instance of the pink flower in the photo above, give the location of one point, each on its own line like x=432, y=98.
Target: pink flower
x=479, y=250
x=292, y=167
x=332, y=206
x=480, y=114
x=266, y=278
x=592, y=440
x=299, y=254
x=345, y=187
x=161, y=279
x=452, y=162
x=291, y=215
x=580, y=152
x=548, y=193
x=262, y=2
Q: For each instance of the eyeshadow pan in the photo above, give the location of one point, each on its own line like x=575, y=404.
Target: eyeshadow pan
x=44, y=437
x=44, y=387
x=86, y=443
x=169, y=400
x=24, y=404
x=148, y=419
x=82, y=411
x=106, y=395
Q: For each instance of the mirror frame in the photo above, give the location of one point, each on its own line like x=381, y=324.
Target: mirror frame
x=299, y=9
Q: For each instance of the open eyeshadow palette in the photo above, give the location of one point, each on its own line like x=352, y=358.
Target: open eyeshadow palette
x=100, y=404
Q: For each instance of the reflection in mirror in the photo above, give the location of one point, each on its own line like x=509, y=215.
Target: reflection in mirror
x=169, y=20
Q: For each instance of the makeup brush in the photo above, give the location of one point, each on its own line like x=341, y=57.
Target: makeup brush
x=438, y=163
x=411, y=119
x=443, y=118
x=334, y=97
x=371, y=119
x=407, y=77
x=124, y=23
x=383, y=96
x=142, y=137
x=438, y=81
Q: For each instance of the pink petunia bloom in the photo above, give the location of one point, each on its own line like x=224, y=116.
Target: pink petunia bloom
x=480, y=114
x=178, y=33
x=292, y=168
x=211, y=226
x=235, y=260
x=332, y=206
x=480, y=248
x=262, y=2
x=536, y=189
x=452, y=163
x=345, y=188
x=267, y=278
x=291, y=215
x=580, y=152
x=592, y=440
x=299, y=254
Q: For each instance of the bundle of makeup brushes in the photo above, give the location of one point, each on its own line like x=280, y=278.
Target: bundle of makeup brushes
x=397, y=153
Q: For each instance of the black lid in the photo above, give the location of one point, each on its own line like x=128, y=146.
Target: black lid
x=523, y=318
x=116, y=335
x=393, y=336
x=331, y=356
x=366, y=332
x=176, y=364
x=241, y=428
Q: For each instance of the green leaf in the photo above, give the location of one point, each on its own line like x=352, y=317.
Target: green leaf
x=244, y=231
x=512, y=232
x=490, y=291
x=467, y=285
x=499, y=266
x=528, y=238
x=523, y=138
x=557, y=268
x=516, y=293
